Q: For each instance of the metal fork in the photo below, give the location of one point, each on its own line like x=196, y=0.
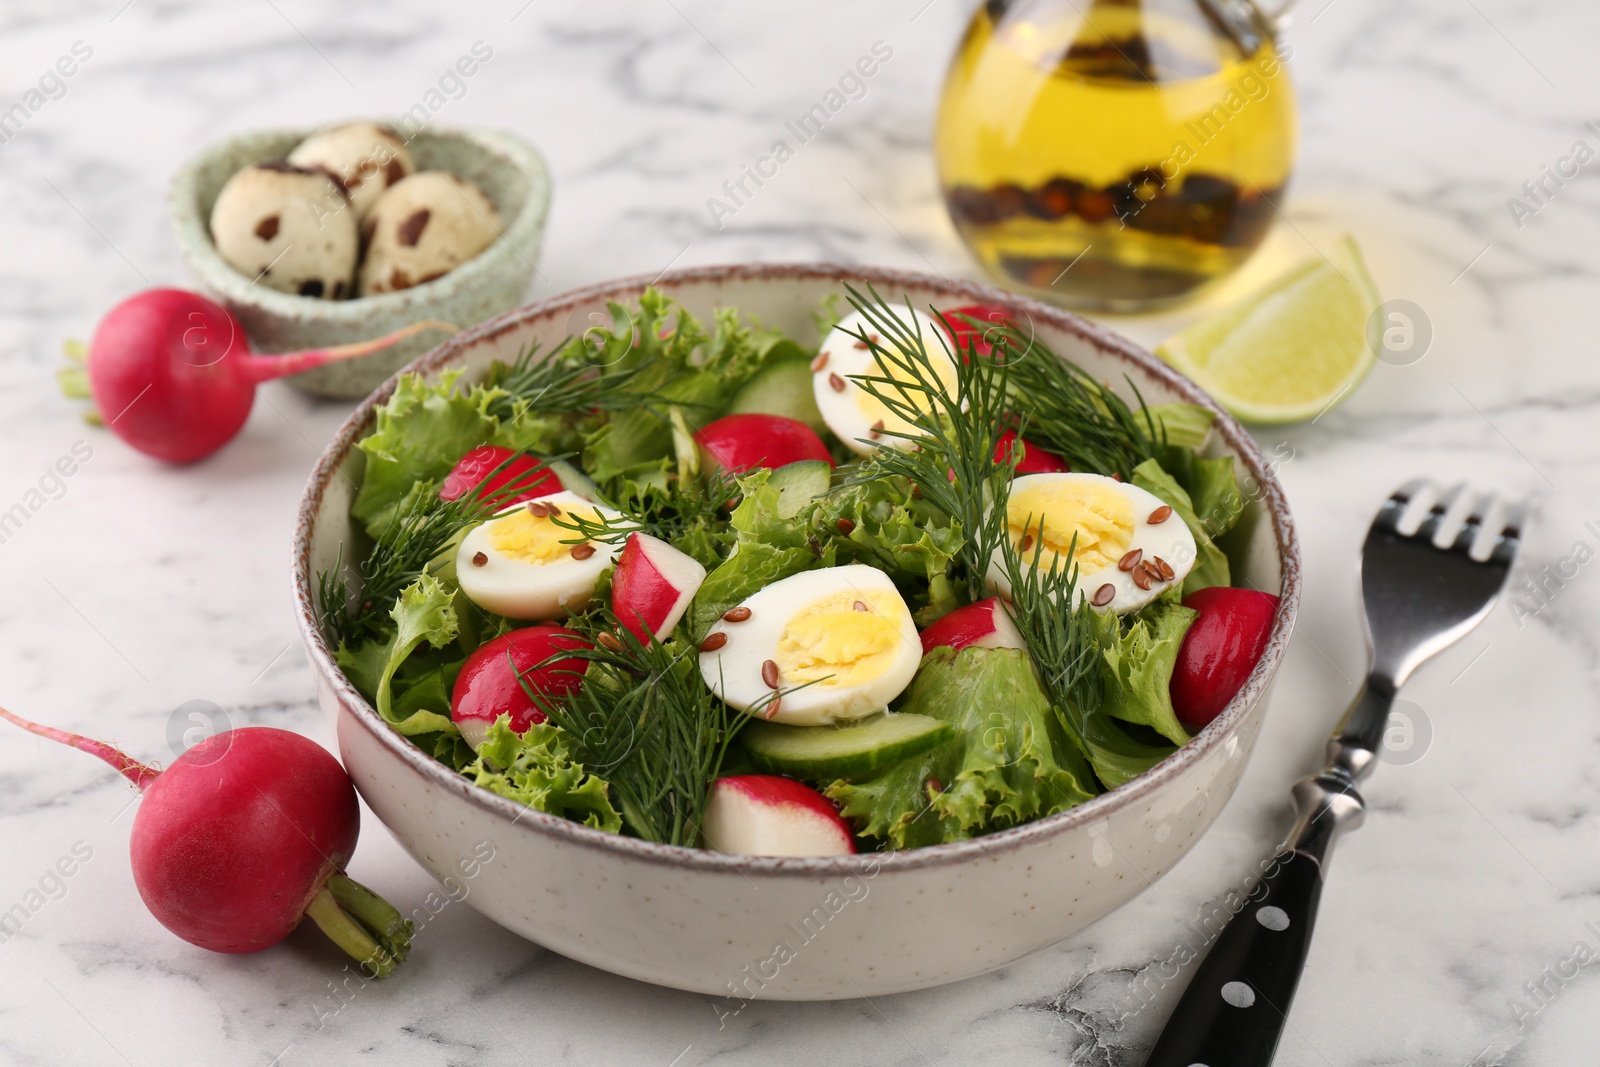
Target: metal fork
x=1419, y=599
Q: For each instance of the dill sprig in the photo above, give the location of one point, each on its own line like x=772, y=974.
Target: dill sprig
x=408, y=547
x=1071, y=414
x=952, y=459
x=689, y=513
x=566, y=383
x=1062, y=637
x=645, y=721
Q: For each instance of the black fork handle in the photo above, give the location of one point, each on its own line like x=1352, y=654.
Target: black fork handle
x=1237, y=1004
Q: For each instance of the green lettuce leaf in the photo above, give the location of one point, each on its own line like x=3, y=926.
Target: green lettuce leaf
x=1138, y=668
x=423, y=613
x=1117, y=755
x=893, y=531
x=767, y=547
x=1186, y=425
x=1001, y=770
x=1211, y=566
x=424, y=428
x=537, y=769
x=1213, y=491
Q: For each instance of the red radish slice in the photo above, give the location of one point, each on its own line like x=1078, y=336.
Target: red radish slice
x=1220, y=650
x=172, y=373
x=765, y=815
x=653, y=585
x=1034, y=460
x=984, y=625
x=476, y=470
x=741, y=443
x=491, y=681
x=247, y=833
x=979, y=334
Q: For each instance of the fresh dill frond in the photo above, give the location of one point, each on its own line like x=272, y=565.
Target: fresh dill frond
x=645, y=721
x=565, y=383
x=689, y=513
x=952, y=459
x=1069, y=413
x=1062, y=637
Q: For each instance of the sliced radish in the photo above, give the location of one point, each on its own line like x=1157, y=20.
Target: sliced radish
x=1220, y=649
x=1033, y=460
x=653, y=585
x=491, y=681
x=765, y=815
x=491, y=469
x=984, y=625
x=741, y=443
x=983, y=313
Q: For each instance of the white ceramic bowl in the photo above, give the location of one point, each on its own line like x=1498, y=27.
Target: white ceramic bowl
x=796, y=929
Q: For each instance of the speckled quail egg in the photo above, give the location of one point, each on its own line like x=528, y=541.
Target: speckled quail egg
x=363, y=158
x=287, y=228
x=423, y=227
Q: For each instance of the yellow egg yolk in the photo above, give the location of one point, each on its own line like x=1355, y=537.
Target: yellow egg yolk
x=528, y=538
x=875, y=411
x=834, y=643
x=1054, y=512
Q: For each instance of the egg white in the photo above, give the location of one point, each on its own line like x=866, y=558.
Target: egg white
x=1171, y=540
x=519, y=589
x=733, y=671
x=846, y=355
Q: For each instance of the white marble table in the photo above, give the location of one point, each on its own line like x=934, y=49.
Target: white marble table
x=133, y=588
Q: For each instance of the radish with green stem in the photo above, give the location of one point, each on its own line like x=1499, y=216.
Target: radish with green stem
x=172, y=374
x=244, y=835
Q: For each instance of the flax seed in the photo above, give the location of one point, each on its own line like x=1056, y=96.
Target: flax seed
x=713, y=641
x=771, y=708
x=769, y=673
x=582, y=551
x=610, y=641
x=820, y=362
x=1026, y=543
x=1163, y=569
x=738, y=614
x=1131, y=560
x=538, y=510
x=836, y=383
x=845, y=526
x=479, y=559
x=1104, y=595
x=1142, y=576
x=861, y=605
x=1159, y=515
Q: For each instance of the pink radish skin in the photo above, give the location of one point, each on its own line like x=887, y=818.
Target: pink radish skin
x=491, y=682
x=984, y=624
x=172, y=373
x=741, y=443
x=517, y=472
x=653, y=585
x=1033, y=460
x=767, y=815
x=247, y=833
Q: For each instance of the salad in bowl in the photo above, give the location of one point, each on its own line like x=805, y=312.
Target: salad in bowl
x=694, y=581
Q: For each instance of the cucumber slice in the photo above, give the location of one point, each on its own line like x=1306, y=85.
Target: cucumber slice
x=859, y=750
x=784, y=389
x=798, y=484
x=574, y=480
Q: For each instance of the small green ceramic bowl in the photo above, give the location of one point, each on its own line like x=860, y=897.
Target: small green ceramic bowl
x=509, y=171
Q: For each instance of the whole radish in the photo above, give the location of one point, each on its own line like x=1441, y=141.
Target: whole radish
x=172, y=373
x=247, y=833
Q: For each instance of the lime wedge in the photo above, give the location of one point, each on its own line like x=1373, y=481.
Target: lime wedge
x=1291, y=351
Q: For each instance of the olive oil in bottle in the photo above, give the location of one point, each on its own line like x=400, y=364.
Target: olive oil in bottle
x=1117, y=154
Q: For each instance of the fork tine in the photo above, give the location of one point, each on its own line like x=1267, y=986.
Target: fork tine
x=1473, y=523
x=1394, y=509
x=1436, y=514
x=1510, y=535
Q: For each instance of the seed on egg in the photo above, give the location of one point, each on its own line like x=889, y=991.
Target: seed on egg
x=1159, y=515
x=738, y=614
x=819, y=362
x=583, y=551
x=836, y=383
x=856, y=416
x=1130, y=560
x=714, y=641
x=1104, y=595
x=769, y=673
x=535, y=573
